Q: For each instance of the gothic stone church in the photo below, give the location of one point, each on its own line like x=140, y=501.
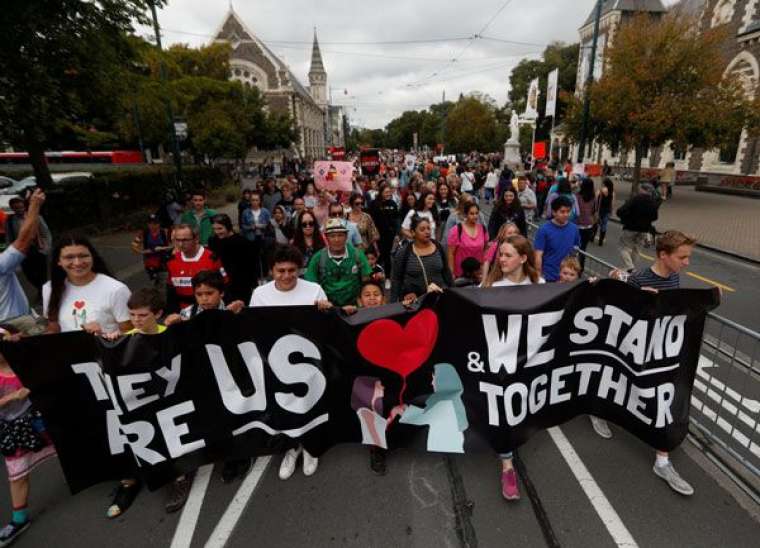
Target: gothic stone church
x=319, y=124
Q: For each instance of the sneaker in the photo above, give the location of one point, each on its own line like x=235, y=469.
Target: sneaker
x=288, y=464
x=377, y=461
x=676, y=482
x=309, y=463
x=123, y=499
x=12, y=531
x=509, y=485
x=601, y=427
x=179, y=490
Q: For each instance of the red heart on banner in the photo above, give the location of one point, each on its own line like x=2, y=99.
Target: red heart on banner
x=78, y=304
x=400, y=349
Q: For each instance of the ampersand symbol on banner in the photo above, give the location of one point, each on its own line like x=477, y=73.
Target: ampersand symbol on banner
x=474, y=364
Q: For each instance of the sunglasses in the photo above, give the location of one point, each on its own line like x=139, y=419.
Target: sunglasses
x=307, y=223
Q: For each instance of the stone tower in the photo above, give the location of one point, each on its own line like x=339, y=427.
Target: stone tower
x=317, y=75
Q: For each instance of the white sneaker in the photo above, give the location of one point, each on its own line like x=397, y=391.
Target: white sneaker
x=676, y=482
x=601, y=427
x=288, y=464
x=309, y=463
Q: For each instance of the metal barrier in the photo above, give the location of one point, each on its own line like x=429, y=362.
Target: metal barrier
x=725, y=401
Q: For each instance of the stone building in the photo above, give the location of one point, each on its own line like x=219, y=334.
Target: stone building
x=254, y=64
x=730, y=166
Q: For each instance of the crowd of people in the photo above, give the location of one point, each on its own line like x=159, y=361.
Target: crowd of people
x=397, y=235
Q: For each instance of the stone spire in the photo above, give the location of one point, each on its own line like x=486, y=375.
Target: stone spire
x=316, y=57
x=317, y=75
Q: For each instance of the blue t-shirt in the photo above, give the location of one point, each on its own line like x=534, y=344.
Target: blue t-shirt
x=12, y=298
x=556, y=242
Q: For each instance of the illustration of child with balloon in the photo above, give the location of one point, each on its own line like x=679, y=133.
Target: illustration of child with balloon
x=403, y=350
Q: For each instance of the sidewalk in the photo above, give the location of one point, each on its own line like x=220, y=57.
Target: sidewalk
x=719, y=221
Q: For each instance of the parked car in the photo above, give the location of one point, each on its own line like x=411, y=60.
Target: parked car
x=19, y=188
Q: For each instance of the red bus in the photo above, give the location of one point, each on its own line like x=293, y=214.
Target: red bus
x=72, y=157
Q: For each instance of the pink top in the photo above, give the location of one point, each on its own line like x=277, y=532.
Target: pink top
x=467, y=246
x=490, y=253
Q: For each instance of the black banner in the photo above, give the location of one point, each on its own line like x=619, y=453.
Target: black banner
x=496, y=364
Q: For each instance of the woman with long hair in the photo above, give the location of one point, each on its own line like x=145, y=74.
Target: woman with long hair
x=82, y=293
x=586, y=212
x=363, y=221
x=605, y=199
x=446, y=203
x=237, y=256
x=425, y=207
x=507, y=210
x=515, y=265
x=420, y=266
x=468, y=239
x=307, y=238
x=385, y=214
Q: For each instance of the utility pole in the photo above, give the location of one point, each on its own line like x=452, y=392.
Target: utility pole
x=589, y=81
x=169, y=114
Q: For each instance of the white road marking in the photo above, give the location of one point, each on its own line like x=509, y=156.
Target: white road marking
x=753, y=406
x=183, y=534
x=620, y=534
x=726, y=426
x=226, y=525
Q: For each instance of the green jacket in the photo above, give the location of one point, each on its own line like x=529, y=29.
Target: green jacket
x=205, y=229
x=342, y=280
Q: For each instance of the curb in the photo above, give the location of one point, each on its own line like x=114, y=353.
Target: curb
x=733, y=255
x=729, y=191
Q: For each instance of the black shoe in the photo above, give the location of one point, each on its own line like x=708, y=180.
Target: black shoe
x=234, y=469
x=377, y=461
x=123, y=499
x=179, y=490
x=12, y=531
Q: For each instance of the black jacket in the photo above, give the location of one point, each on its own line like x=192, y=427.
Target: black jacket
x=638, y=213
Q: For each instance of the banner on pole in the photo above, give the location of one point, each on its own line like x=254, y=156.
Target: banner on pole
x=466, y=367
x=539, y=150
x=333, y=175
x=531, y=106
x=552, y=90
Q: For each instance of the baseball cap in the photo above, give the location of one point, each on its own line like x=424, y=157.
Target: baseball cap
x=334, y=226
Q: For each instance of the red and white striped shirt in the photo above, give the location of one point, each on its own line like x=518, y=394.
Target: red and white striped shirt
x=181, y=270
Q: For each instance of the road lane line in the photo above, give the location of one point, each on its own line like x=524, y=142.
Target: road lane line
x=698, y=277
x=711, y=282
x=183, y=534
x=226, y=525
x=620, y=534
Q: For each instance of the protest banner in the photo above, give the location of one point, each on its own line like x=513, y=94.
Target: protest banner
x=333, y=175
x=470, y=365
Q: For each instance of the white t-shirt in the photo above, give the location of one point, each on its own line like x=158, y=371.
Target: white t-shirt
x=304, y=293
x=506, y=282
x=407, y=224
x=103, y=300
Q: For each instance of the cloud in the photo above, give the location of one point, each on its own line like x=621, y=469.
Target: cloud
x=383, y=80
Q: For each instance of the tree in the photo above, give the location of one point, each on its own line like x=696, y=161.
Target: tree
x=55, y=58
x=663, y=82
x=471, y=125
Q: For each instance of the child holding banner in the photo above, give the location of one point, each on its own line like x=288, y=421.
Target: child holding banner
x=23, y=442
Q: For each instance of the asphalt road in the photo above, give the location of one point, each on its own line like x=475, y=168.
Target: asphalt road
x=577, y=489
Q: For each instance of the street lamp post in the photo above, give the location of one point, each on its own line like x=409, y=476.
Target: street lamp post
x=589, y=81
x=167, y=101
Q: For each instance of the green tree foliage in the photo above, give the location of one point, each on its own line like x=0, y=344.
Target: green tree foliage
x=58, y=66
x=471, y=125
x=225, y=118
x=663, y=82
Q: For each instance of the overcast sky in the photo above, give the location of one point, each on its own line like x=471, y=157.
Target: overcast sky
x=377, y=82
